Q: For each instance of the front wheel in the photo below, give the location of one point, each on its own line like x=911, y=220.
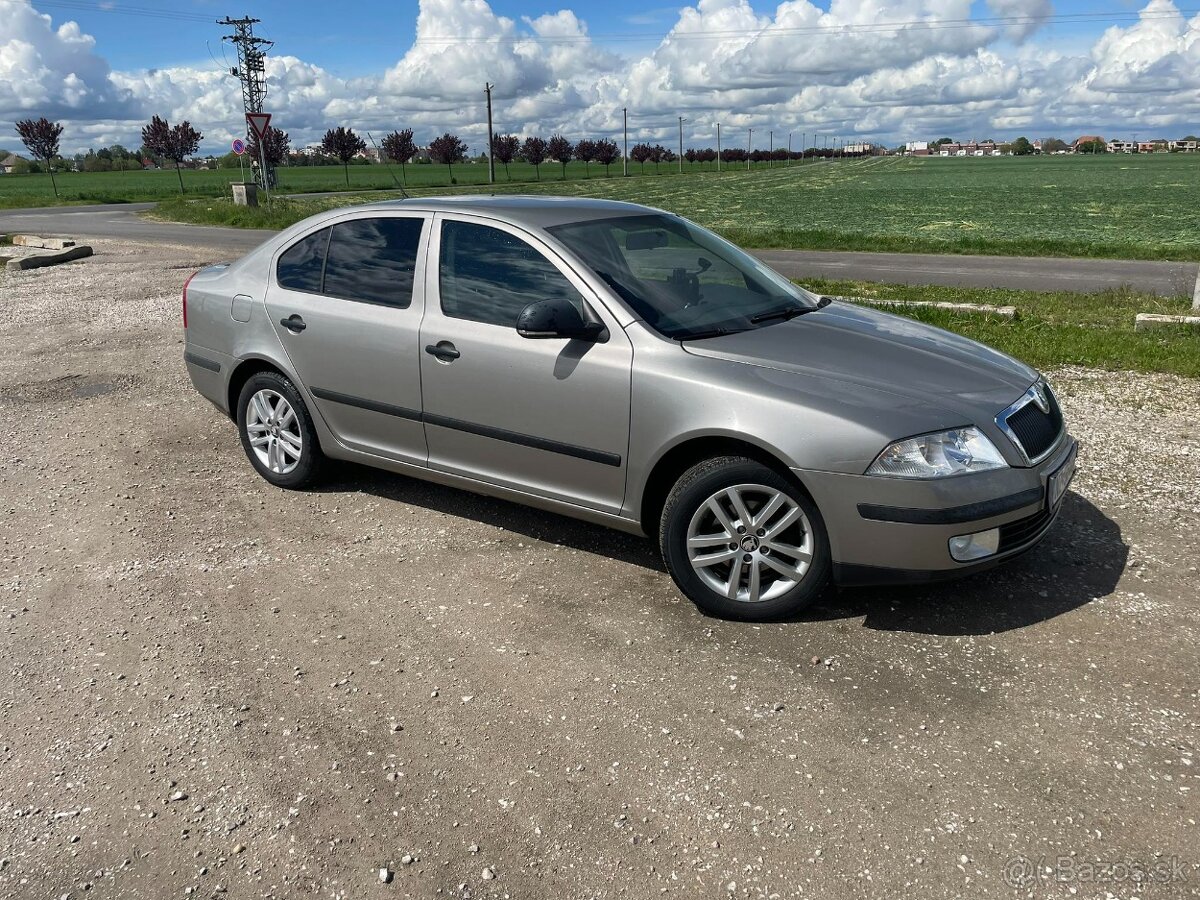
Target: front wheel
x=744, y=542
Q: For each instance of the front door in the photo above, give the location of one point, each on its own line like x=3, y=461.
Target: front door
x=549, y=417
x=346, y=302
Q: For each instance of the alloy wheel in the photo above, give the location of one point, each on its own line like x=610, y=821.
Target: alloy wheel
x=274, y=431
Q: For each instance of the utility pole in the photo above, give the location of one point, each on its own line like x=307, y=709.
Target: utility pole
x=681, y=145
x=749, y=146
x=770, y=149
x=789, y=148
x=625, y=158
x=251, y=71
x=487, y=89
x=718, y=146
x=803, y=145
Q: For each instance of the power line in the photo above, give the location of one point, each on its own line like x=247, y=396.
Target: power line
x=139, y=11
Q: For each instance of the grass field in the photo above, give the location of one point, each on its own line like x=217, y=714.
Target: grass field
x=129, y=187
x=1117, y=207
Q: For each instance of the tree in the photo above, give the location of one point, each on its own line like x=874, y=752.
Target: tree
x=1054, y=145
x=607, y=153
x=41, y=138
x=534, y=151
x=399, y=147
x=560, y=151
x=504, y=149
x=175, y=144
x=641, y=154
x=343, y=144
x=585, y=152
x=277, y=145
x=447, y=150
x=941, y=141
x=1022, y=147
x=658, y=154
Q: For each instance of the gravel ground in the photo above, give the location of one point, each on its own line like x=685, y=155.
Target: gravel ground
x=384, y=688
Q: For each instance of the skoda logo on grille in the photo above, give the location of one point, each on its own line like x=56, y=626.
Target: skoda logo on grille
x=1040, y=398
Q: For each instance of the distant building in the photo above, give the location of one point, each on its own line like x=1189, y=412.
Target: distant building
x=10, y=163
x=917, y=148
x=1183, y=146
x=972, y=148
x=1086, y=141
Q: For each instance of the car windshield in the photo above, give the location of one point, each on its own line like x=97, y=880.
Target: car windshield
x=683, y=281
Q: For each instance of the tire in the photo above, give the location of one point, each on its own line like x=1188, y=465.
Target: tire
x=284, y=451
x=698, y=544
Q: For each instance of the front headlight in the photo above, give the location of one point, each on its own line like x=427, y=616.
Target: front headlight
x=938, y=455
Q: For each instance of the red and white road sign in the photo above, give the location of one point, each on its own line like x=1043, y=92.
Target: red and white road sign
x=259, y=123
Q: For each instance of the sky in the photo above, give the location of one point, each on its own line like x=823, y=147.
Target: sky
x=880, y=70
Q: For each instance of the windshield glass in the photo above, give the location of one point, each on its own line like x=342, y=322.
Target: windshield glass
x=684, y=281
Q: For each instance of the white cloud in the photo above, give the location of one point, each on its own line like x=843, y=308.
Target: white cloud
x=889, y=69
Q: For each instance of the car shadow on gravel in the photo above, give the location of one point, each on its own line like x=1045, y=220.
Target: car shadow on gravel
x=1080, y=560
x=521, y=520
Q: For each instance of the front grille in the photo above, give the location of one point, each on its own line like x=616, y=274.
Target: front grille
x=1022, y=531
x=1036, y=431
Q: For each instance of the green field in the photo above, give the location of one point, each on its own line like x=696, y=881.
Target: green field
x=1121, y=207
x=131, y=187
x=1125, y=207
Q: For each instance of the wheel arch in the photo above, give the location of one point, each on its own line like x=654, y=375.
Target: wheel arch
x=678, y=458
x=243, y=371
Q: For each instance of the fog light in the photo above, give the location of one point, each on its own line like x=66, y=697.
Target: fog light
x=966, y=547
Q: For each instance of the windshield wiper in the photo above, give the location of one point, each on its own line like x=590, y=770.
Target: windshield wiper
x=711, y=332
x=789, y=312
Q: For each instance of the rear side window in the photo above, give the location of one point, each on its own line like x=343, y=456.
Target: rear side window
x=373, y=260
x=488, y=275
x=301, y=265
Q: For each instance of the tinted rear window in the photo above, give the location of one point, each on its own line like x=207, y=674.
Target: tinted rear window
x=373, y=260
x=301, y=264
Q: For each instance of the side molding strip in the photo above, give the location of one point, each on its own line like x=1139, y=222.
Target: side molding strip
x=202, y=362
x=602, y=457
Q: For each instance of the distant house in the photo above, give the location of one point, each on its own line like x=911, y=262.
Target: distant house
x=1183, y=146
x=1087, y=142
x=971, y=148
x=1118, y=146
x=917, y=148
x=10, y=163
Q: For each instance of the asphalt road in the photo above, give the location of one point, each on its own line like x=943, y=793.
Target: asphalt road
x=1022, y=273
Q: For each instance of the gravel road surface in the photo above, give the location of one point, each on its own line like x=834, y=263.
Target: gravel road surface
x=1169, y=279
x=388, y=689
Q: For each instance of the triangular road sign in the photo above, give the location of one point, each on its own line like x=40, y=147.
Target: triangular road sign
x=259, y=122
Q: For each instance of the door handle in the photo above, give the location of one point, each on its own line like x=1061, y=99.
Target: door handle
x=293, y=323
x=443, y=350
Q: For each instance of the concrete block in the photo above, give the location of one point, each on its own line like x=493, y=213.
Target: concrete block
x=1004, y=312
x=1150, y=321
x=1196, y=292
x=41, y=243
x=245, y=193
x=42, y=260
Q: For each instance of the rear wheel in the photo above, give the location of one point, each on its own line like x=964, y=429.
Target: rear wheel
x=744, y=542
x=277, y=431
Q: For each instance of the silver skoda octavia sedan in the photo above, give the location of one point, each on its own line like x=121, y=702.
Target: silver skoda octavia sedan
x=622, y=365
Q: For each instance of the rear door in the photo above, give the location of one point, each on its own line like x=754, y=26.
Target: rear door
x=346, y=302
x=549, y=417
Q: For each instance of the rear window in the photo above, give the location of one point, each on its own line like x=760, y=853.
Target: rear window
x=302, y=264
x=373, y=260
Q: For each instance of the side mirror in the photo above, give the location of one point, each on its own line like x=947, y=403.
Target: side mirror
x=557, y=318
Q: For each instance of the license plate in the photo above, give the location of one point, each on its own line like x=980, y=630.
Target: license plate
x=1060, y=480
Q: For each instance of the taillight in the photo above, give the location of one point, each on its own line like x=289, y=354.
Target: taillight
x=185, y=287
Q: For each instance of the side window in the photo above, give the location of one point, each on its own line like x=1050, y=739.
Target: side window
x=373, y=260
x=488, y=275
x=300, y=266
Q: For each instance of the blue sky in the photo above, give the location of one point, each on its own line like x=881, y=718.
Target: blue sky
x=375, y=35
x=834, y=67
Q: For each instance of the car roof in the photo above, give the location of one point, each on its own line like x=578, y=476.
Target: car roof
x=522, y=209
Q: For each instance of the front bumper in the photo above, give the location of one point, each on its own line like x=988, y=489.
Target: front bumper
x=893, y=530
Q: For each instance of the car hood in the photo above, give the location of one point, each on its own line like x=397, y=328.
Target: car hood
x=887, y=353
